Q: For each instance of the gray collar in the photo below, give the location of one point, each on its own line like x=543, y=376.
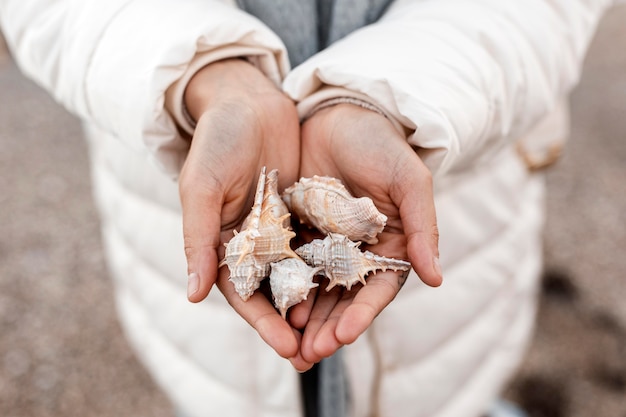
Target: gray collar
x=308, y=26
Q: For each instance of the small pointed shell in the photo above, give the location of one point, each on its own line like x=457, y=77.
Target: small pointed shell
x=324, y=203
x=343, y=262
x=264, y=238
x=272, y=199
x=291, y=280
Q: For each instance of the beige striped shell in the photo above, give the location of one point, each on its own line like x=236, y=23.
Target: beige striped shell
x=326, y=204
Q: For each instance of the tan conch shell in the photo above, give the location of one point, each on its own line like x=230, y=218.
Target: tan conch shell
x=343, y=262
x=324, y=203
x=263, y=239
x=291, y=280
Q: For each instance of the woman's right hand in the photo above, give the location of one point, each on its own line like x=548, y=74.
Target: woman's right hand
x=243, y=123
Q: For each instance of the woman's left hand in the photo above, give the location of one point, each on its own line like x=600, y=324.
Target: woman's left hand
x=362, y=149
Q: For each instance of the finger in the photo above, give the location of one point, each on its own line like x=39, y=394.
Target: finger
x=326, y=343
x=300, y=313
x=201, y=231
x=263, y=317
x=298, y=362
x=325, y=304
x=413, y=194
x=202, y=277
x=379, y=291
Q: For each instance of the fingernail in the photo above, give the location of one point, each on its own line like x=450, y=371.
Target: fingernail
x=437, y=266
x=193, y=284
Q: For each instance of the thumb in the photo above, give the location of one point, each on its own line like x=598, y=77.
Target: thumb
x=419, y=221
x=201, y=231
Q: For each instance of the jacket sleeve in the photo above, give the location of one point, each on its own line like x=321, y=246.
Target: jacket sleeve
x=462, y=77
x=111, y=62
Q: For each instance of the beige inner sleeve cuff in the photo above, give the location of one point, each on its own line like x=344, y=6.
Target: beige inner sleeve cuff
x=261, y=58
x=336, y=95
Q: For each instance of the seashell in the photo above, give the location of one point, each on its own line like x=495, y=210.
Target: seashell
x=273, y=201
x=326, y=204
x=291, y=280
x=263, y=239
x=343, y=262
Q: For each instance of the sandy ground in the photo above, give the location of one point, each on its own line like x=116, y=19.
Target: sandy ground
x=62, y=352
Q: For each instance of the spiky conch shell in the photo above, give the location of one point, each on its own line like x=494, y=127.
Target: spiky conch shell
x=343, y=262
x=290, y=281
x=326, y=204
x=264, y=238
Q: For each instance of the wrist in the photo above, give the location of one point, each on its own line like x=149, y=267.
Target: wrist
x=204, y=87
x=233, y=79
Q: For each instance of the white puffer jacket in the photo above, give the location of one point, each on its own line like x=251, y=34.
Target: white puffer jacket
x=469, y=83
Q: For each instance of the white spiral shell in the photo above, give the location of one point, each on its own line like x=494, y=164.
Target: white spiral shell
x=290, y=281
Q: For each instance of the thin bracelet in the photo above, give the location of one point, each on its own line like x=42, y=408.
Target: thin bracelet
x=343, y=100
x=187, y=116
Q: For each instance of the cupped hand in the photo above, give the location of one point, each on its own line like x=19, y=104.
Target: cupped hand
x=362, y=149
x=243, y=123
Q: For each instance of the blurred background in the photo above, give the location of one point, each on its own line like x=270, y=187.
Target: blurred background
x=62, y=352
